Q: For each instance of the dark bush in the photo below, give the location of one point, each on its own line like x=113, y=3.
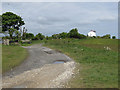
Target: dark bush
x=113, y=37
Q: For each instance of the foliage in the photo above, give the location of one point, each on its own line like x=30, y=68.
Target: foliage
x=11, y=23
x=11, y=32
x=29, y=36
x=107, y=36
x=11, y=20
x=55, y=36
x=98, y=37
x=81, y=36
x=113, y=37
x=6, y=37
x=63, y=35
x=39, y=36
x=73, y=33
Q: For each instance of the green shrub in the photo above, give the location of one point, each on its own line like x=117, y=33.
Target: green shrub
x=113, y=37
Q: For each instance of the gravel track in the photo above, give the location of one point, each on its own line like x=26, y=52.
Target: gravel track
x=39, y=70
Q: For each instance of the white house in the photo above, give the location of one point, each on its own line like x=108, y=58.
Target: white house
x=92, y=33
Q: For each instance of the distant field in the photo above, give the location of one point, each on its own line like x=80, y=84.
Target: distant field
x=12, y=56
x=98, y=66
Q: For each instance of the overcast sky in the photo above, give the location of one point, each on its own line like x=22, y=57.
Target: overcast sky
x=52, y=18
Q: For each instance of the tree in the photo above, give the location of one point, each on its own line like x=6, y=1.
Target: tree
x=39, y=36
x=29, y=36
x=73, y=33
x=18, y=35
x=55, y=36
x=11, y=22
x=11, y=32
x=113, y=37
x=63, y=35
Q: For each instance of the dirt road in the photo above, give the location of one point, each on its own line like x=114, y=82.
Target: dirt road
x=39, y=70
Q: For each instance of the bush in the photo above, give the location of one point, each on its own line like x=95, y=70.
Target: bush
x=29, y=36
x=74, y=33
x=113, y=37
x=6, y=37
x=98, y=37
x=81, y=36
x=39, y=36
x=107, y=36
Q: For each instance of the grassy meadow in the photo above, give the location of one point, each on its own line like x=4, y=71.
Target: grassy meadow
x=98, y=66
x=12, y=56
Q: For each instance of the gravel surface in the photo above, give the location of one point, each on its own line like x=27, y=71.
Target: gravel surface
x=39, y=70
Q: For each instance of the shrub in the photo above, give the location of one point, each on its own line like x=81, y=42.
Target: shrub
x=107, y=36
x=113, y=37
x=98, y=37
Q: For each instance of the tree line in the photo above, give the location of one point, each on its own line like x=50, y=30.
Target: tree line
x=13, y=25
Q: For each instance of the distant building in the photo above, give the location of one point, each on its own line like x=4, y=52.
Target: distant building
x=92, y=33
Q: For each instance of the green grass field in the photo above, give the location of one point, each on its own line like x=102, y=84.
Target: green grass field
x=98, y=66
x=12, y=56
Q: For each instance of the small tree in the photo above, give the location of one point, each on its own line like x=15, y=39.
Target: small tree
x=113, y=37
x=39, y=36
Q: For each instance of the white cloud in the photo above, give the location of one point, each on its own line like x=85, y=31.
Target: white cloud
x=108, y=18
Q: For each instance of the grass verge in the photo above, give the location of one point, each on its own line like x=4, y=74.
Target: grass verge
x=12, y=56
